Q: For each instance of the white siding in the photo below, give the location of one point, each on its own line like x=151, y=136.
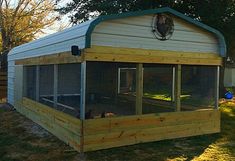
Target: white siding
x=10, y=81
x=136, y=32
x=54, y=43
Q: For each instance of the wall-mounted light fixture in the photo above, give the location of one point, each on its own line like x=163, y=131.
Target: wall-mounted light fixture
x=75, y=50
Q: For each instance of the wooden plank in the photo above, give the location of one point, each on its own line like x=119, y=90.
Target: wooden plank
x=63, y=126
x=128, y=137
x=151, y=53
x=151, y=59
x=146, y=121
x=178, y=88
x=139, y=89
x=61, y=58
x=55, y=85
x=217, y=83
x=37, y=82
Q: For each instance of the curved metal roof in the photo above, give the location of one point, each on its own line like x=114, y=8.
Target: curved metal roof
x=81, y=35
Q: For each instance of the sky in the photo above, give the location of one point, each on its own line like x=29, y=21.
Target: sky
x=59, y=25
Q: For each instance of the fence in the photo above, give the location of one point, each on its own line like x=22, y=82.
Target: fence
x=3, y=84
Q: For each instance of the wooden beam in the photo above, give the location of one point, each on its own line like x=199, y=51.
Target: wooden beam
x=139, y=88
x=24, y=81
x=217, y=87
x=114, y=54
x=82, y=105
x=55, y=85
x=61, y=58
x=173, y=85
x=83, y=91
x=178, y=88
x=37, y=82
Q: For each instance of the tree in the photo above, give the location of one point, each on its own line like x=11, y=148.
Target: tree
x=22, y=20
x=215, y=13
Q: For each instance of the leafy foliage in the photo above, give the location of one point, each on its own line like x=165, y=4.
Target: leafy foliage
x=216, y=13
x=22, y=20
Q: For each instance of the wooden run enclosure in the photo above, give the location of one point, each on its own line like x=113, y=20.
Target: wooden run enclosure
x=129, y=78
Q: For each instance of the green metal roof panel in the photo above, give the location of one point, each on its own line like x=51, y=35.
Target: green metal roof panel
x=93, y=24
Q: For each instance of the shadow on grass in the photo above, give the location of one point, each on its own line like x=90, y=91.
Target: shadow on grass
x=183, y=149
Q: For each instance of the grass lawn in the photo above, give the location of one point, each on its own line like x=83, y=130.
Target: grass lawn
x=22, y=140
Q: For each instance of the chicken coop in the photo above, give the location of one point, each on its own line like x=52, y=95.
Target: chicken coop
x=121, y=79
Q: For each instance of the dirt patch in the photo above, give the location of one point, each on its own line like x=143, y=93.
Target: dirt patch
x=23, y=140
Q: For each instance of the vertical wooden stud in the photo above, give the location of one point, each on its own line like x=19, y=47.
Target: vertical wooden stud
x=173, y=85
x=55, y=87
x=82, y=104
x=139, y=88
x=217, y=88
x=83, y=90
x=24, y=81
x=119, y=80
x=178, y=87
x=37, y=82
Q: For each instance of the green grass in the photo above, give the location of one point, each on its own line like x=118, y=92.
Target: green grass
x=18, y=144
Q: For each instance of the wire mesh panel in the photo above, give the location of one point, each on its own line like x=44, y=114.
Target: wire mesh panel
x=69, y=78
x=198, y=87
x=30, y=82
x=110, y=89
x=157, y=88
x=46, y=84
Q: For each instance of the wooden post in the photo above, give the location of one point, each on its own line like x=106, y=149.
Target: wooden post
x=55, y=88
x=139, y=88
x=37, y=82
x=24, y=81
x=173, y=85
x=217, y=88
x=83, y=90
x=82, y=105
x=178, y=88
x=119, y=81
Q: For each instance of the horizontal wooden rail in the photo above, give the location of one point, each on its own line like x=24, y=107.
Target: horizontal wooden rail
x=61, y=58
x=115, y=54
x=114, y=132
x=64, y=126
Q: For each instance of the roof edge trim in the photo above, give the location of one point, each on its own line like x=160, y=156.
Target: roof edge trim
x=222, y=43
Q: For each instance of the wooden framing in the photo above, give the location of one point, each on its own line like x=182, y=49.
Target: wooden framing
x=37, y=82
x=114, y=132
x=60, y=58
x=114, y=54
x=217, y=87
x=55, y=86
x=139, y=88
x=95, y=134
x=63, y=126
x=177, y=88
